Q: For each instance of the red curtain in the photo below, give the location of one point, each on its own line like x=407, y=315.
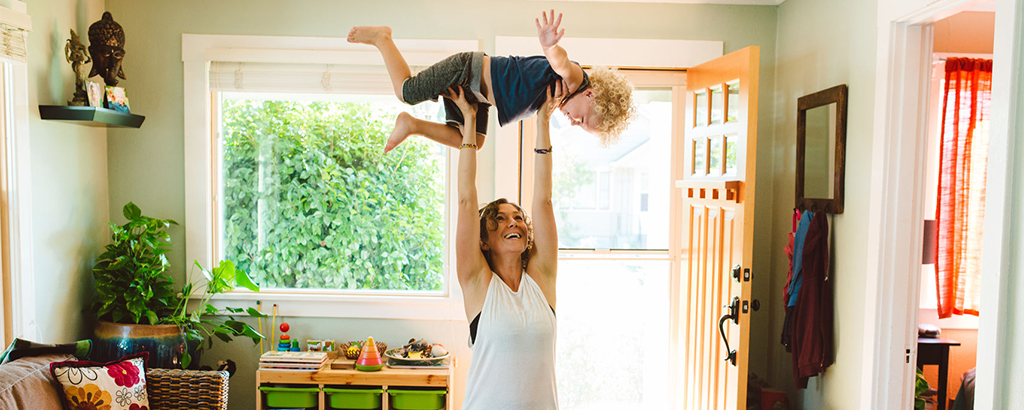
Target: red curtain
x=960, y=210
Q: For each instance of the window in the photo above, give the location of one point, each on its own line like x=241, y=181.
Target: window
x=285, y=175
x=17, y=286
x=615, y=271
x=310, y=201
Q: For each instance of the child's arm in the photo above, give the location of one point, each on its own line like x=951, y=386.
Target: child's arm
x=469, y=259
x=549, y=34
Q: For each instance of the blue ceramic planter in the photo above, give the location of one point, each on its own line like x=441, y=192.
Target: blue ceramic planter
x=165, y=343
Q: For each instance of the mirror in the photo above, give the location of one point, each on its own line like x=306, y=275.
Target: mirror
x=821, y=150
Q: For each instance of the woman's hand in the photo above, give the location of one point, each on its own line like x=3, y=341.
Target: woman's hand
x=556, y=93
x=456, y=94
x=548, y=32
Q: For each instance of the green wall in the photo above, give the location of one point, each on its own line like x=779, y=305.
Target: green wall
x=146, y=165
x=821, y=44
x=69, y=176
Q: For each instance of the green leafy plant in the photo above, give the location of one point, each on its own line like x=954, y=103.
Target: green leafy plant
x=310, y=201
x=130, y=278
x=132, y=286
x=920, y=388
x=206, y=321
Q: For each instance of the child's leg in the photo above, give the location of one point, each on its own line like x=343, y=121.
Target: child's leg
x=407, y=125
x=380, y=37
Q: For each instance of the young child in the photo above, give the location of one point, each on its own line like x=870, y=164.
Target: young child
x=601, y=103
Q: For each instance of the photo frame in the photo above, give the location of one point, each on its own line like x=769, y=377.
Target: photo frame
x=117, y=100
x=96, y=93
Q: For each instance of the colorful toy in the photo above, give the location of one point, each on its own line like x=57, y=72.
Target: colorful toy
x=369, y=360
x=285, y=344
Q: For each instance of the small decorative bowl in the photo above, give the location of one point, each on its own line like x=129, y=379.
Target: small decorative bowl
x=395, y=359
x=343, y=350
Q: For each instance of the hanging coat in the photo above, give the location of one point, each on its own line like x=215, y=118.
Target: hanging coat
x=812, y=315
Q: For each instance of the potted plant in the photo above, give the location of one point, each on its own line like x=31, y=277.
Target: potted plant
x=138, y=308
x=205, y=320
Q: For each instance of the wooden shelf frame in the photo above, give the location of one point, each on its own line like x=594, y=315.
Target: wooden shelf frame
x=341, y=372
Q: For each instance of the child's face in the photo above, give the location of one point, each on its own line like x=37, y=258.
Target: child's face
x=580, y=111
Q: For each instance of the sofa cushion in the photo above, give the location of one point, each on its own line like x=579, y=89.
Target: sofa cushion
x=115, y=385
x=26, y=384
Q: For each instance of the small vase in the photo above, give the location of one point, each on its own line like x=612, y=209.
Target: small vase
x=165, y=343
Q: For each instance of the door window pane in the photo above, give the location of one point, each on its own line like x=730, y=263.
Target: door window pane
x=717, y=105
x=734, y=102
x=598, y=191
x=700, y=153
x=700, y=108
x=716, y=156
x=730, y=154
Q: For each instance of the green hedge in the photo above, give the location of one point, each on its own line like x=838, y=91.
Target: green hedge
x=310, y=201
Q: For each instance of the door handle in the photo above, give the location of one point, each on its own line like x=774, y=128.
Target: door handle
x=734, y=315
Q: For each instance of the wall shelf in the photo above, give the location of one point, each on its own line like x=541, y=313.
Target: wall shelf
x=94, y=115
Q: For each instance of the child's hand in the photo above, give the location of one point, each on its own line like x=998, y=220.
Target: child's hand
x=556, y=93
x=548, y=32
x=456, y=94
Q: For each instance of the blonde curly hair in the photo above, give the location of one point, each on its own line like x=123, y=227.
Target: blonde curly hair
x=613, y=101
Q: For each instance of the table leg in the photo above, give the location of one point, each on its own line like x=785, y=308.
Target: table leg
x=943, y=382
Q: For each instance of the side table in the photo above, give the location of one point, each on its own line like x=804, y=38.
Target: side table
x=935, y=351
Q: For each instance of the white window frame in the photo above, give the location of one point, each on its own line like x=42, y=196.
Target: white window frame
x=17, y=189
x=198, y=51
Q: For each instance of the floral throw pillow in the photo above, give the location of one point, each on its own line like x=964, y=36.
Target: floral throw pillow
x=117, y=385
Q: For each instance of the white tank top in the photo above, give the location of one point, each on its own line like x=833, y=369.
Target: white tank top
x=513, y=364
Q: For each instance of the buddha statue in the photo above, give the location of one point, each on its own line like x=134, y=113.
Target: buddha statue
x=106, y=45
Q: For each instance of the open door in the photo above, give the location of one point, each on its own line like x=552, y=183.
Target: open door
x=717, y=184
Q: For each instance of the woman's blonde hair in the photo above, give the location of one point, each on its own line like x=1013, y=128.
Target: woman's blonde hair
x=488, y=220
x=613, y=101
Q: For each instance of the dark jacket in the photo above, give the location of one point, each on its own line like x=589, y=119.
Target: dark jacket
x=812, y=316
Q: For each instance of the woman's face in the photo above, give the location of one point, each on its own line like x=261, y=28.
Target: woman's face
x=508, y=233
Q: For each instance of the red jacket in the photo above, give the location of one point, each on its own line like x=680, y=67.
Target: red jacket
x=812, y=316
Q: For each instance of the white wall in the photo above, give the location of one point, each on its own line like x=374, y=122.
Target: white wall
x=69, y=175
x=822, y=44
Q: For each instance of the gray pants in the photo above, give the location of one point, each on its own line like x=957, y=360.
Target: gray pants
x=462, y=69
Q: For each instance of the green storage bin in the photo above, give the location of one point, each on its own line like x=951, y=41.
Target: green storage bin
x=353, y=398
x=291, y=397
x=403, y=399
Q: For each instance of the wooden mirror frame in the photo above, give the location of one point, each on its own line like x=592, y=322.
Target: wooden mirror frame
x=832, y=95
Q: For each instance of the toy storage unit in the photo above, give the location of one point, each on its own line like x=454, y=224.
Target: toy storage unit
x=340, y=387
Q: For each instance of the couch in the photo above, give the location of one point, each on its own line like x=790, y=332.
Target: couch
x=26, y=384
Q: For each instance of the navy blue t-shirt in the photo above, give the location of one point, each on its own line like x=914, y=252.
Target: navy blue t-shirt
x=518, y=85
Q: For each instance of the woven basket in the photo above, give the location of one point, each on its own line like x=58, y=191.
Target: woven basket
x=343, y=351
x=174, y=389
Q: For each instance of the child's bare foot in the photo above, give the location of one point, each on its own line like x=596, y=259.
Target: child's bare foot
x=369, y=34
x=403, y=129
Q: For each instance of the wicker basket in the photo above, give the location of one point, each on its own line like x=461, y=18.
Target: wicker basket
x=343, y=350
x=174, y=389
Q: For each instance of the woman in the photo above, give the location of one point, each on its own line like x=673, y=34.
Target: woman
x=507, y=271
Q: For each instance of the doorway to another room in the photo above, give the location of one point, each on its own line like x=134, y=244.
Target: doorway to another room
x=957, y=128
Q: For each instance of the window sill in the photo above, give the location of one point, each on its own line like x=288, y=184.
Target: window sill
x=348, y=306
x=931, y=316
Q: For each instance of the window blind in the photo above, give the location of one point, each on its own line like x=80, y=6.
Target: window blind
x=12, y=43
x=300, y=78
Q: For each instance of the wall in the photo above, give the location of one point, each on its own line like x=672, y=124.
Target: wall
x=148, y=167
x=1010, y=354
x=967, y=32
x=822, y=44
x=69, y=176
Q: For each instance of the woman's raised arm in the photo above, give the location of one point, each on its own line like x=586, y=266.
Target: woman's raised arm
x=470, y=262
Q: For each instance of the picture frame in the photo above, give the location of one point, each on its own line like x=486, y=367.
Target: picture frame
x=117, y=99
x=96, y=93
